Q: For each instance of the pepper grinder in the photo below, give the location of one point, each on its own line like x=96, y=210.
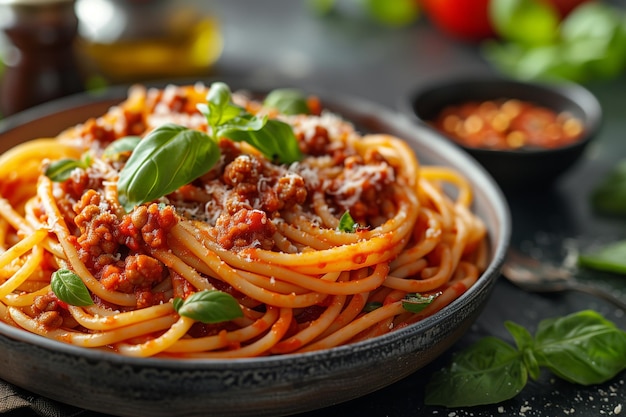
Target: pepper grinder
x=40, y=64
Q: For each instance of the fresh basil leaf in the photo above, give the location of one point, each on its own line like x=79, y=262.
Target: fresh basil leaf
x=582, y=348
x=526, y=22
x=610, y=258
x=531, y=363
x=589, y=43
x=523, y=338
x=396, y=13
x=244, y=123
x=219, y=95
x=218, y=116
x=178, y=303
x=592, y=20
x=597, y=34
x=347, y=223
x=287, y=101
x=70, y=288
x=121, y=146
x=524, y=342
x=219, y=108
x=167, y=158
x=209, y=307
x=414, y=303
x=609, y=196
x=275, y=140
x=488, y=372
x=61, y=170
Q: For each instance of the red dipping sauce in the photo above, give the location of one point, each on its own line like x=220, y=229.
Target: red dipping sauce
x=508, y=124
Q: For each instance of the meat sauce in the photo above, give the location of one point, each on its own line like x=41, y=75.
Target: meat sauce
x=241, y=199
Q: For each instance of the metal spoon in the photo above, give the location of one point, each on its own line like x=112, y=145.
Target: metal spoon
x=534, y=276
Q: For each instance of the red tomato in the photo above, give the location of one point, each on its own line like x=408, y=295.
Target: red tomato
x=469, y=19
x=463, y=19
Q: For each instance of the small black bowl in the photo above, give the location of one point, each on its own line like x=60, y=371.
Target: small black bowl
x=526, y=166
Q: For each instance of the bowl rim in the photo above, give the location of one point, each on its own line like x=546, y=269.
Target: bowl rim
x=568, y=90
x=393, y=118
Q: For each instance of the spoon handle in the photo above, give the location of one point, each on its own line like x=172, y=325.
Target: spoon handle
x=598, y=292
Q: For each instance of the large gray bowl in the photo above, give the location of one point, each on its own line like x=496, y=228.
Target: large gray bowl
x=280, y=385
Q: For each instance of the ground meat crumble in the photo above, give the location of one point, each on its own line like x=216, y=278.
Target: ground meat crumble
x=240, y=199
x=104, y=239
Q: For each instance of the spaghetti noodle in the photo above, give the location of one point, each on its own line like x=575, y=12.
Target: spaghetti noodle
x=267, y=234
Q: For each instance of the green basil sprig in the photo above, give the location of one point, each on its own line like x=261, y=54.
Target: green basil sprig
x=171, y=155
x=61, y=170
x=209, y=307
x=269, y=140
x=414, y=302
x=582, y=348
x=347, y=223
x=610, y=258
x=287, y=101
x=69, y=288
x=223, y=115
x=120, y=146
x=275, y=139
x=168, y=157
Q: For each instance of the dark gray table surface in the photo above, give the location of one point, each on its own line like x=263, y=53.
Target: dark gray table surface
x=279, y=42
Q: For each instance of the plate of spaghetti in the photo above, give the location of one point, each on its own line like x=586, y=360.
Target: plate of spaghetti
x=201, y=250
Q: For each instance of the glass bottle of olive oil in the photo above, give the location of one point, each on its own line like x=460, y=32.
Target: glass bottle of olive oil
x=130, y=40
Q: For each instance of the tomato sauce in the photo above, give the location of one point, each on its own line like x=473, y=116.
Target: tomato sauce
x=508, y=124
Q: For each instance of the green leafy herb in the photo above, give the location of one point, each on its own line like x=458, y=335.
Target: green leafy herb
x=609, y=196
x=595, y=36
x=61, y=170
x=69, y=288
x=287, y=101
x=172, y=155
x=526, y=22
x=224, y=116
x=610, y=258
x=209, y=307
x=490, y=371
x=121, y=146
x=396, y=13
x=275, y=139
x=582, y=348
x=414, y=303
x=589, y=43
x=270, y=141
x=347, y=223
x=168, y=157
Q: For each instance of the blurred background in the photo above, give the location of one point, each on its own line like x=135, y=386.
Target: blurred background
x=52, y=48
x=380, y=50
